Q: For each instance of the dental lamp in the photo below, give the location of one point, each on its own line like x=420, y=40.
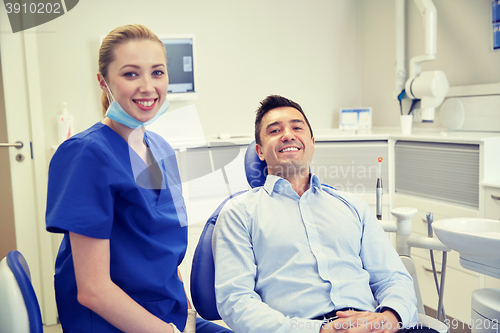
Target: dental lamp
x=430, y=87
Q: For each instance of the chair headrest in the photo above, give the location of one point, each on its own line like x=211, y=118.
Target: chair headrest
x=255, y=169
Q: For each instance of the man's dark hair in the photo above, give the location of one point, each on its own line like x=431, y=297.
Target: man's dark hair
x=272, y=102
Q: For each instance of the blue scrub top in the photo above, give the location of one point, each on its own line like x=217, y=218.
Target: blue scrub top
x=93, y=191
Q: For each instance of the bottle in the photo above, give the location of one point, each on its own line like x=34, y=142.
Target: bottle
x=65, y=124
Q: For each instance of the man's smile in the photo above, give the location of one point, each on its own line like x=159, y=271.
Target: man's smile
x=289, y=149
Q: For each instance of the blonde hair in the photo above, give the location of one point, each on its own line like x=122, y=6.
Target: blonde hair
x=116, y=37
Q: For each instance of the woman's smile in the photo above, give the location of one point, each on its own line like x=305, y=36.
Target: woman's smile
x=146, y=104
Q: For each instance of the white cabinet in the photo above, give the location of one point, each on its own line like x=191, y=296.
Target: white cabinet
x=352, y=166
x=491, y=211
x=447, y=177
x=492, y=202
x=460, y=282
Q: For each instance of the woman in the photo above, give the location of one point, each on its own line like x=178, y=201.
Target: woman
x=115, y=191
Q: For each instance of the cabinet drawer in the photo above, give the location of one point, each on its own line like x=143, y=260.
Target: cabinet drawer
x=351, y=166
x=491, y=282
x=452, y=261
x=492, y=203
x=457, y=290
x=442, y=171
x=441, y=210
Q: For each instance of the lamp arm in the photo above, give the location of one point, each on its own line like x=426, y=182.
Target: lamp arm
x=428, y=11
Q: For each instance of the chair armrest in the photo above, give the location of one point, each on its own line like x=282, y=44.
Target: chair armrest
x=431, y=322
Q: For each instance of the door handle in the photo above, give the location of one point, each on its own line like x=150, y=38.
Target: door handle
x=18, y=145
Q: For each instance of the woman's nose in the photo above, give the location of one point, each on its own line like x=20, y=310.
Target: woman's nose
x=146, y=85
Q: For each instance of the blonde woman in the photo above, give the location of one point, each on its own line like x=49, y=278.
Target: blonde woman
x=115, y=192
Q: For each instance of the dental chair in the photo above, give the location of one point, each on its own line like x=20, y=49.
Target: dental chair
x=19, y=309
x=203, y=269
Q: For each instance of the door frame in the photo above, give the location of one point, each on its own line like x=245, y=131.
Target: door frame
x=24, y=119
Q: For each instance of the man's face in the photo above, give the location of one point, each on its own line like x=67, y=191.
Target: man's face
x=286, y=143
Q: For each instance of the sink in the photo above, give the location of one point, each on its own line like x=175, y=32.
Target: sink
x=477, y=240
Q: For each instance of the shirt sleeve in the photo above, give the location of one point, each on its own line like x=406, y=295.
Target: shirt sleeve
x=239, y=305
x=390, y=282
x=79, y=195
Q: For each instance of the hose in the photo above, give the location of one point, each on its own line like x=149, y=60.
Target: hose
x=441, y=314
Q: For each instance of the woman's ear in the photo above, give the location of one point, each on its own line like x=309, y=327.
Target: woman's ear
x=102, y=83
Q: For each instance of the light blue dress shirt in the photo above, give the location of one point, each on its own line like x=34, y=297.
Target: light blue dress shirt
x=281, y=259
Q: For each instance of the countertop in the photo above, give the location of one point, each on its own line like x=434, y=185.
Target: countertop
x=491, y=141
x=332, y=134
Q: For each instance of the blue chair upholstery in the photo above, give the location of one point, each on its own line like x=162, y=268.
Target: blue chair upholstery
x=255, y=169
x=19, y=309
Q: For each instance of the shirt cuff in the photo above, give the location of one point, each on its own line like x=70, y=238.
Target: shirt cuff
x=386, y=308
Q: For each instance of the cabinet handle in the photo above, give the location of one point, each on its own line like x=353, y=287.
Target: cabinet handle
x=430, y=270
x=494, y=197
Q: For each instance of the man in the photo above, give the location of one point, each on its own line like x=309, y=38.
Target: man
x=290, y=254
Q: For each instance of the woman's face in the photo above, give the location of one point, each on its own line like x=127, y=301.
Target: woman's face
x=138, y=78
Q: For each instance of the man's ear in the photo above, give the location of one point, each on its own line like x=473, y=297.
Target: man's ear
x=258, y=149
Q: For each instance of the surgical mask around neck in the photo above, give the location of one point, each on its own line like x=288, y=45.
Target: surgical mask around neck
x=116, y=112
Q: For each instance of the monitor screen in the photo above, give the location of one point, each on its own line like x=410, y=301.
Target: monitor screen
x=180, y=66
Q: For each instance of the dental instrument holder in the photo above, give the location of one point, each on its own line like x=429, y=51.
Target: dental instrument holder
x=405, y=241
x=403, y=216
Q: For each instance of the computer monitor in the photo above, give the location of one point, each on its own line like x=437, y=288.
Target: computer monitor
x=181, y=66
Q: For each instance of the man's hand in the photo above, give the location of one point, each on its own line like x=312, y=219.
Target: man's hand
x=362, y=322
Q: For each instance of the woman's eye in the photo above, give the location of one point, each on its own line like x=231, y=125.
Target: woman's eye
x=130, y=74
x=158, y=73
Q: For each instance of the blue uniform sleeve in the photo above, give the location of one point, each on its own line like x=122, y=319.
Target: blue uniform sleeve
x=79, y=195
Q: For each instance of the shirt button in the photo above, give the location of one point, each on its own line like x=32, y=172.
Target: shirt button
x=309, y=224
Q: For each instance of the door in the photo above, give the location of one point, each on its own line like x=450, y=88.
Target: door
x=21, y=109
x=7, y=228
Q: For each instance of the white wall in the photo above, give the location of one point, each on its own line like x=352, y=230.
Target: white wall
x=305, y=50
x=464, y=50
x=325, y=54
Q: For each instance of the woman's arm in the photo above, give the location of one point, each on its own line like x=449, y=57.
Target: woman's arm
x=180, y=277
x=97, y=292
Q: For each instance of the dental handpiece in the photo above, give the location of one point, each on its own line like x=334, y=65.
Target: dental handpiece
x=379, y=189
x=379, y=198
x=430, y=219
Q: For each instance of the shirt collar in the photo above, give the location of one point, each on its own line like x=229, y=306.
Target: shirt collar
x=277, y=184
